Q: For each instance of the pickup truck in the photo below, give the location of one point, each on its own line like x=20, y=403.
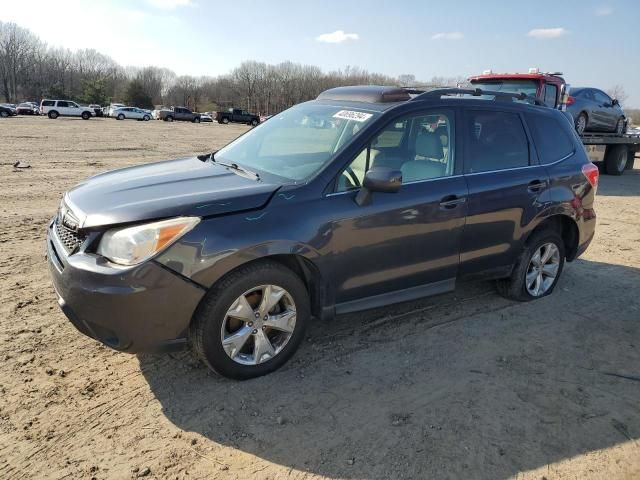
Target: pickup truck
x=236, y=115
x=613, y=152
x=179, y=114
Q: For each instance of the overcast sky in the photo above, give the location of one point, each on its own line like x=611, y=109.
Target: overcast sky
x=593, y=43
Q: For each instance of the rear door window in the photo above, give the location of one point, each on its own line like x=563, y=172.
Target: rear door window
x=494, y=141
x=62, y=104
x=552, y=141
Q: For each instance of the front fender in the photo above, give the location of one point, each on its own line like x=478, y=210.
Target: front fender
x=206, y=267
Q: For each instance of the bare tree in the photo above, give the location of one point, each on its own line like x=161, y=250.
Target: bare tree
x=617, y=92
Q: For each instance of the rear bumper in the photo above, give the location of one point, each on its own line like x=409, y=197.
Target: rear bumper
x=146, y=308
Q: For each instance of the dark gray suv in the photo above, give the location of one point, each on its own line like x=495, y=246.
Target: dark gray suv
x=364, y=197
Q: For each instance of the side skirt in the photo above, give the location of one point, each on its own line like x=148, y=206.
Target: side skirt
x=397, y=296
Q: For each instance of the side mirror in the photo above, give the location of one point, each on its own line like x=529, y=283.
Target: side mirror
x=615, y=102
x=378, y=179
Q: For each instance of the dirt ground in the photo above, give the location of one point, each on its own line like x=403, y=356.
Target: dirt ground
x=466, y=385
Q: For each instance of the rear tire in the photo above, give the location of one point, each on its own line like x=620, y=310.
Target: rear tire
x=4, y=114
x=120, y=116
x=225, y=120
x=582, y=121
x=515, y=287
x=211, y=316
x=52, y=114
x=616, y=160
x=620, y=126
x=169, y=119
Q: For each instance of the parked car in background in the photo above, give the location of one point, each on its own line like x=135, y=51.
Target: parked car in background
x=132, y=113
x=593, y=110
x=205, y=117
x=113, y=107
x=27, y=109
x=211, y=252
x=181, y=114
x=236, y=115
x=97, y=109
x=64, y=108
x=7, y=111
x=264, y=118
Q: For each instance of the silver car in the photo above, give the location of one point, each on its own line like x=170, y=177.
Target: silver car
x=133, y=113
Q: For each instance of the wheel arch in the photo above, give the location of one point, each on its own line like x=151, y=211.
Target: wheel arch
x=567, y=227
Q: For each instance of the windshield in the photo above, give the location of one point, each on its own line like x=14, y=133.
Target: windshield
x=529, y=87
x=298, y=142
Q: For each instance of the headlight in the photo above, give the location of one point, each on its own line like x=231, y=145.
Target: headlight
x=133, y=245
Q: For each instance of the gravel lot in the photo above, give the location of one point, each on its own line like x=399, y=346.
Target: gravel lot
x=465, y=385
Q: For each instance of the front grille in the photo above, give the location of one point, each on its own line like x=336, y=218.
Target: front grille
x=70, y=239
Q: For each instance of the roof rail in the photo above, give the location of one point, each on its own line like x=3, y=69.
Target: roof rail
x=477, y=92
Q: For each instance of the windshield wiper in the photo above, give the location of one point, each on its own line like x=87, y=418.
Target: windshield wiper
x=237, y=168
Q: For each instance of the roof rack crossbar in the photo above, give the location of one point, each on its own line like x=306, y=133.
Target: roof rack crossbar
x=477, y=92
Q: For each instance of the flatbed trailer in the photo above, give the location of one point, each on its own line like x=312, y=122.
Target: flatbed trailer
x=612, y=153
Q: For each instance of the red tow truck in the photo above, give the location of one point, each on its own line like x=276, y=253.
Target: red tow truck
x=614, y=153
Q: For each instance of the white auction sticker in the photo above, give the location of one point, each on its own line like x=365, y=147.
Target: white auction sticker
x=351, y=115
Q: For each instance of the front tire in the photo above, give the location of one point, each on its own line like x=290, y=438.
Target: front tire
x=86, y=115
x=146, y=118
x=4, y=114
x=538, y=269
x=254, y=123
x=196, y=120
x=251, y=322
x=620, y=126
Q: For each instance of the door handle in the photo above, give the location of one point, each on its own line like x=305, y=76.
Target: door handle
x=537, y=185
x=451, y=201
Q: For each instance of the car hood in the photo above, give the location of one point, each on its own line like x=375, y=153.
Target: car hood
x=186, y=186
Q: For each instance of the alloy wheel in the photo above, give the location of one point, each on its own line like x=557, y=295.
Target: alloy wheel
x=543, y=269
x=581, y=124
x=258, y=325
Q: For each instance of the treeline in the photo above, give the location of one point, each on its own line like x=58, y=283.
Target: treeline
x=31, y=70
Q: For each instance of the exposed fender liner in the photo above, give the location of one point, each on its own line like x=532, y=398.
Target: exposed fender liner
x=178, y=274
x=397, y=296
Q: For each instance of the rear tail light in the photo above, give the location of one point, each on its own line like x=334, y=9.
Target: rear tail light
x=591, y=173
x=570, y=100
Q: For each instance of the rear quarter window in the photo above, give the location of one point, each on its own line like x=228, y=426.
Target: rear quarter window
x=48, y=103
x=552, y=141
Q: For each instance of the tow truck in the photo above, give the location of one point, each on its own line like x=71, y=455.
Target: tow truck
x=612, y=153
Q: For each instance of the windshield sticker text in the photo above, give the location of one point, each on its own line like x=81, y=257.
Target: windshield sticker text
x=351, y=115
